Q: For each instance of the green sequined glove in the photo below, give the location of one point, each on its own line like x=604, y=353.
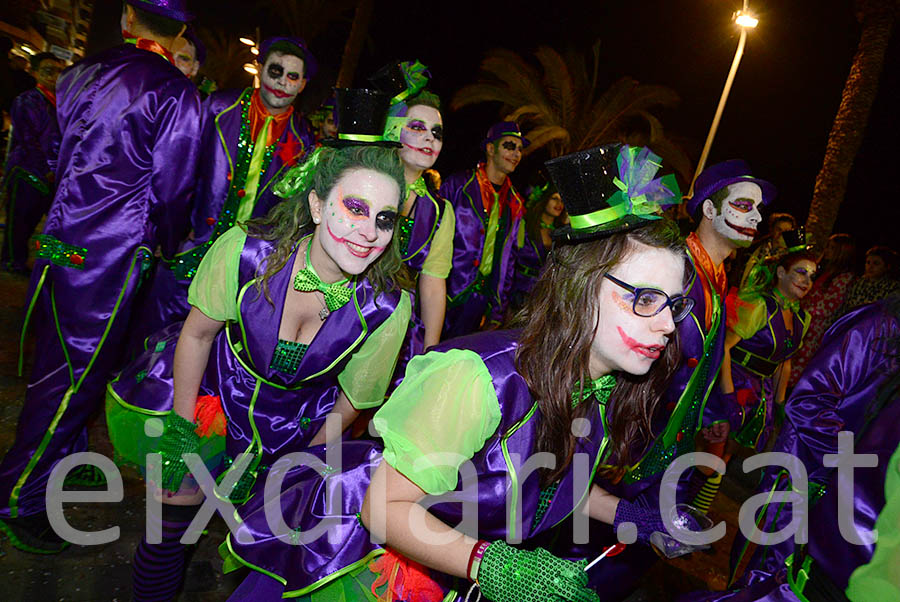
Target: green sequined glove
x=507, y=574
x=178, y=438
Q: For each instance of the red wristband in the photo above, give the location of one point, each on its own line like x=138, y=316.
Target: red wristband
x=475, y=558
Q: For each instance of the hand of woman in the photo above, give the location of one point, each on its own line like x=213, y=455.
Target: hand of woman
x=508, y=574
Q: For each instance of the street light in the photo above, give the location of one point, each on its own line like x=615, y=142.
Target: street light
x=254, y=51
x=248, y=41
x=250, y=68
x=746, y=21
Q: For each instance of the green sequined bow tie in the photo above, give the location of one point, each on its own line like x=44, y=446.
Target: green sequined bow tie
x=790, y=304
x=336, y=295
x=600, y=389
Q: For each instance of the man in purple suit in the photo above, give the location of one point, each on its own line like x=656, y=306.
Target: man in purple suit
x=129, y=124
x=489, y=229
x=29, y=165
x=249, y=138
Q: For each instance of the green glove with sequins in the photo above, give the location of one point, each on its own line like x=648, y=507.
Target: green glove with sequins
x=179, y=437
x=507, y=574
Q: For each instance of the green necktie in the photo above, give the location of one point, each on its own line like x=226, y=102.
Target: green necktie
x=254, y=173
x=490, y=238
x=336, y=295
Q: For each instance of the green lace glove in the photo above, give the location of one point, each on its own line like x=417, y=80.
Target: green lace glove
x=178, y=438
x=507, y=574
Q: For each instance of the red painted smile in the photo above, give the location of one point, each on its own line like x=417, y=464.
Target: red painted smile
x=649, y=351
x=277, y=93
x=423, y=150
x=355, y=249
x=751, y=232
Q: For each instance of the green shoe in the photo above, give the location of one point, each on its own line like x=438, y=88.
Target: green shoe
x=33, y=534
x=86, y=475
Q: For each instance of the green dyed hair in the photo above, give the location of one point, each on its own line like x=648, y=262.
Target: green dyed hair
x=290, y=220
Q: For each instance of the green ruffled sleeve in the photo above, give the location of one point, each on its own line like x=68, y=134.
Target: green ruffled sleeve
x=745, y=316
x=366, y=376
x=214, y=289
x=879, y=579
x=440, y=254
x=439, y=417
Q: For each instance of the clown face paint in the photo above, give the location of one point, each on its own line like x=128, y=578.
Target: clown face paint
x=505, y=154
x=739, y=214
x=554, y=206
x=422, y=137
x=796, y=281
x=623, y=340
x=185, y=57
x=282, y=78
x=355, y=222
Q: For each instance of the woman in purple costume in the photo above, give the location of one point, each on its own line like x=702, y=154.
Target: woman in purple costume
x=579, y=384
x=765, y=328
x=542, y=217
x=295, y=317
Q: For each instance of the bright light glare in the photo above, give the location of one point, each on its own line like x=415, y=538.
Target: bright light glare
x=248, y=42
x=745, y=20
x=254, y=50
x=28, y=49
x=250, y=69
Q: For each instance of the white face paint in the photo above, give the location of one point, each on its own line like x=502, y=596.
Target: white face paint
x=356, y=221
x=623, y=340
x=796, y=281
x=739, y=214
x=422, y=137
x=282, y=78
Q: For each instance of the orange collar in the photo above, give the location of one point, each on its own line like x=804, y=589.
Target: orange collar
x=506, y=196
x=710, y=273
x=258, y=114
x=151, y=45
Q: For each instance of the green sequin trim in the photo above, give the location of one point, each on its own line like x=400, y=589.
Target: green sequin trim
x=59, y=252
x=404, y=231
x=544, y=500
x=287, y=356
x=185, y=264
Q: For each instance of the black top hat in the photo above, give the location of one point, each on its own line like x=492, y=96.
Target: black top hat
x=360, y=115
x=610, y=189
x=795, y=240
x=400, y=80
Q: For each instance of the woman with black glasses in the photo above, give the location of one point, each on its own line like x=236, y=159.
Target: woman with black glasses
x=574, y=391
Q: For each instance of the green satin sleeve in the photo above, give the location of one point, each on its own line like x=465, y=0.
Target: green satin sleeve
x=214, y=288
x=442, y=413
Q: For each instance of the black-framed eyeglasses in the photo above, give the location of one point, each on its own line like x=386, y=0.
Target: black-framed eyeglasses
x=650, y=301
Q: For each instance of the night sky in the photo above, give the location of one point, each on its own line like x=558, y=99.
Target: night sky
x=778, y=115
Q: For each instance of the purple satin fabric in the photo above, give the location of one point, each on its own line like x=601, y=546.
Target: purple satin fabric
x=464, y=193
x=25, y=206
x=428, y=212
x=776, y=343
x=35, y=134
x=303, y=505
x=220, y=128
x=289, y=408
x=529, y=261
x=834, y=393
x=126, y=163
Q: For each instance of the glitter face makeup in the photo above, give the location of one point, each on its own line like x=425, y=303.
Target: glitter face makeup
x=624, y=341
x=356, y=220
x=795, y=282
x=739, y=214
x=422, y=137
x=281, y=80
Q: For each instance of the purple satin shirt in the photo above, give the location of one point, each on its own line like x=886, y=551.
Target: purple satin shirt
x=35, y=134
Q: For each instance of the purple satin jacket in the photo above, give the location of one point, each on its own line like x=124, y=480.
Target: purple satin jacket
x=35, y=135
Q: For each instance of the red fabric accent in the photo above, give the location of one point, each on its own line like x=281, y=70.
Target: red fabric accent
x=692, y=362
x=744, y=396
x=258, y=114
x=209, y=416
x=154, y=46
x=407, y=580
x=289, y=150
x=508, y=196
x=48, y=94
x=711, y=273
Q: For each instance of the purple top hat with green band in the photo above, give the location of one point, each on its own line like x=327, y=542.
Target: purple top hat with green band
x=718, y=176
x=173, y=9
x=610, y=188
x=310, y=66
x=504, y=128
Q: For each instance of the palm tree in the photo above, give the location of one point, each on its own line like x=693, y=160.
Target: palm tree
x=877, y=19
x=561, y=108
